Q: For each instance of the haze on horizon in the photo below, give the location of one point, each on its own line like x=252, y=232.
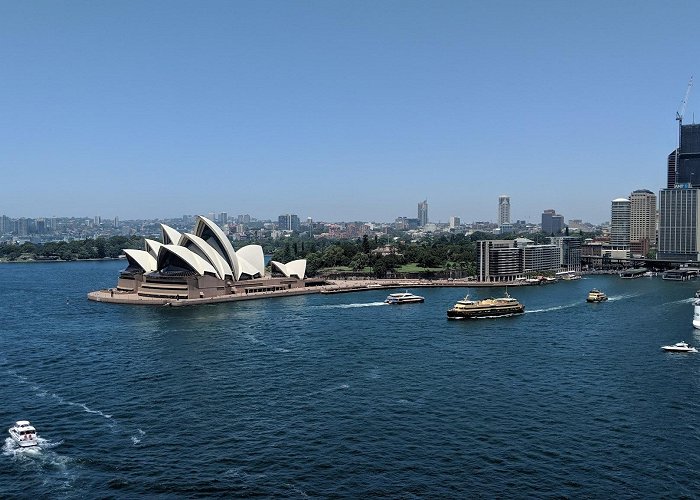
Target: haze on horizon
x=339, y=111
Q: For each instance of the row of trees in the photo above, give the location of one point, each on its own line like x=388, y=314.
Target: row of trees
x=98, y=248
x=377, y=256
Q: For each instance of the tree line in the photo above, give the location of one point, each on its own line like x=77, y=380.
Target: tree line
x=98, y=248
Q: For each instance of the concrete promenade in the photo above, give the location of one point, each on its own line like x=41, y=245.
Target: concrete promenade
x=331, y=287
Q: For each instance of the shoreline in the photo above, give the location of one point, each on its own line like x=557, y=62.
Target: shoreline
x=112, y=296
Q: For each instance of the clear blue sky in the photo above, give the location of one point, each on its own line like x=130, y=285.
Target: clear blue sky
x=353, y=110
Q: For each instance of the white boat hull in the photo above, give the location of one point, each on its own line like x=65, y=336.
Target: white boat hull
x=24, y=443
x=696, y=314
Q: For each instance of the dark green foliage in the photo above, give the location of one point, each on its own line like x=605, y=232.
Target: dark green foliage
x=99, y=248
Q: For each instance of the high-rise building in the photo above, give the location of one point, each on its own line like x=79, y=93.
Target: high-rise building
x=503, y=209
x=671, y=169
x=620, y=222
x=679, y=213
x=642, y=221
x=552, y=223
x=423, y=213
x=288, y=222
x=687, y=159
x=454, y=222
x=223, y=218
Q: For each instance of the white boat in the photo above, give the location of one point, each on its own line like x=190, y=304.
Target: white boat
x=679, y=347
x=403, y=298
x=24, y=433
x=696, y=312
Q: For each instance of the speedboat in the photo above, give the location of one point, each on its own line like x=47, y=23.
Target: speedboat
x=403, y=298
x=679, y=347
x=24, y=433
x=486, y=308
x=596, y=295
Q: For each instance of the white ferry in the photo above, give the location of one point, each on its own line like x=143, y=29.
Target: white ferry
x=403, y=298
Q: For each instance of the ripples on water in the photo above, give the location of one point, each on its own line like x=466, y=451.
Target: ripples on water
x=344, y=396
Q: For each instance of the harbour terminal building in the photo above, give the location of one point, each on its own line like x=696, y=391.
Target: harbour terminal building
x=509, y=260
x=200, y=265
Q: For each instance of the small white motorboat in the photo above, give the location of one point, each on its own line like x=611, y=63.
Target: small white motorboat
x=24, y=433
x=679, y=347
x=403, y=298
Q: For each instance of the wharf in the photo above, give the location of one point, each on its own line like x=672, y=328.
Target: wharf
x=113, y=296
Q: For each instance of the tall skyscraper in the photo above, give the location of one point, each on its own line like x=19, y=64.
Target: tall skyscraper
x=503, y=209
x=679, y=213
x=620, y=222
x=642, y=221
x=454, y=222
x=688, y=157
x=423, y=213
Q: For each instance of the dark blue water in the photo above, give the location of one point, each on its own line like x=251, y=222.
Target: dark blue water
x=341, y=396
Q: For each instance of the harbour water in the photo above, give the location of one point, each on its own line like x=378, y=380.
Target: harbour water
x=343, y=396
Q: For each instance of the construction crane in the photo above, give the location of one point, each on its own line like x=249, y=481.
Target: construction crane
x=681, y=109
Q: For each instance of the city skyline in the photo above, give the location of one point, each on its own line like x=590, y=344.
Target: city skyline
x=338, y=112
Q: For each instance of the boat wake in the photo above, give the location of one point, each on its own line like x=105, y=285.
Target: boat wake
x=350, y=306
x=549, y=309
x=43, y=393
x=623, y=297
x=689, y=300
x=55, y=468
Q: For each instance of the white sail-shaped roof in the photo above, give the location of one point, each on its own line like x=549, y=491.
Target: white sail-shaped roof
x=297, y=268
x=170, y=236
x=152, y=247
x=194, y=261
x=212, y=234
x=294, y=268
x=205, y=250
x=253, y=255
x=141, y=258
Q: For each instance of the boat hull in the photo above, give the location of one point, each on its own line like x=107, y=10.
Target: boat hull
x=485, y=313
x=24, y=443
x=407, y=301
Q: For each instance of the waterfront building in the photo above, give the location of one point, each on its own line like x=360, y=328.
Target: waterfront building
x=569, y=252
x=201, y=264
x=679, y=215
x=498, y=260
x=423, y=213
x=642, y=221
x=552, y=223
x=507, y=260
x=503, y=209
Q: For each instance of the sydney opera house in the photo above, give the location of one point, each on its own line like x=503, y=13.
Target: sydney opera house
x=200, y=265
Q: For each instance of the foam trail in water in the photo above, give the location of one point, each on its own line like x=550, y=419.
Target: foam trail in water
x=623, y=297
x=350, y=306
x=555, y=308
x=136, y=438
x=682, y=301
